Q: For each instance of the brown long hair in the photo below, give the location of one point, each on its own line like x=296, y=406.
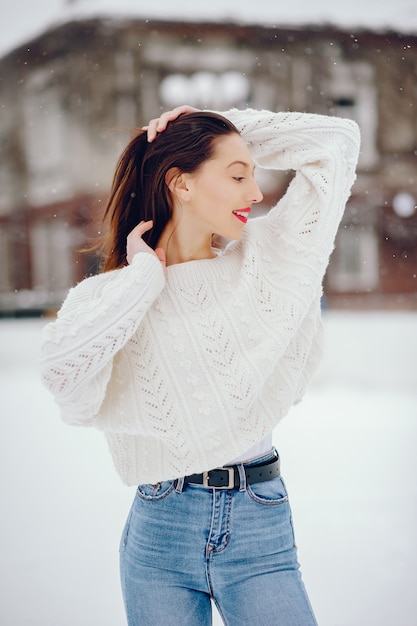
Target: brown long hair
x=139, y=190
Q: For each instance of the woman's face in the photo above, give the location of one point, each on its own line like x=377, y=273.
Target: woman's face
x=222, y=191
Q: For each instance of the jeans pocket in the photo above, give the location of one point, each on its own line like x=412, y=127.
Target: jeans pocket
x=269, y=493
x=154, y=493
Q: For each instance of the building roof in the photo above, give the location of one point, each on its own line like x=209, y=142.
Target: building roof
x=26, y=19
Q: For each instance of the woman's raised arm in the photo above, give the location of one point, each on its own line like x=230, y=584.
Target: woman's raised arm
x=322, y=150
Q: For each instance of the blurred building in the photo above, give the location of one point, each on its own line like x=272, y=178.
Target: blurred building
x=69, y=97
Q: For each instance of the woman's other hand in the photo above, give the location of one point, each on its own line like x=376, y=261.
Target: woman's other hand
x=135, y=243
x=159, y=124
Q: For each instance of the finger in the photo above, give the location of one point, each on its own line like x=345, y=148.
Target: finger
x=170, y=116
x=141, y=228
x=145, y=226
x=158, y=125
x=152, y=129
x=160, y=253
x=164, y=120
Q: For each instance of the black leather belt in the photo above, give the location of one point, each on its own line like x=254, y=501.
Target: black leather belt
x=228, y=477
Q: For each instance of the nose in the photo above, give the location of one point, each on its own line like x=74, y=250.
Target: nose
x=256, y=193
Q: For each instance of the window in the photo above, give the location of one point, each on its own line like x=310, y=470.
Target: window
x=352, y=94
x=126, y=110
x=354, y=262
x=52, y=244
x=46, y=142
x=6, y=196
x=5, y=269
x=205, y=89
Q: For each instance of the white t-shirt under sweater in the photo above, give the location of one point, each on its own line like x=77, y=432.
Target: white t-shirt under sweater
x=187, y=370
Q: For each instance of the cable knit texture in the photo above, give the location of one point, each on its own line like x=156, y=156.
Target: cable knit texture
x=185, y=370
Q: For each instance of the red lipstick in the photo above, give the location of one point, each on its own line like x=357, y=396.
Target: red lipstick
x=242, y=214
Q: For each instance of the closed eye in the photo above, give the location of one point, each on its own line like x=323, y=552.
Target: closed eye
x=239, y=178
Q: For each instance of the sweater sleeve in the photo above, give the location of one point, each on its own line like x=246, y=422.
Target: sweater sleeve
x=96, y=320
x=323, y=151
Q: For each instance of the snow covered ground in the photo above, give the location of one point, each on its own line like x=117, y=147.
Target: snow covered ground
x=348, y=453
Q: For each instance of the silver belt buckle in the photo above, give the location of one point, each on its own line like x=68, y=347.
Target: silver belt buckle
x=230, y=484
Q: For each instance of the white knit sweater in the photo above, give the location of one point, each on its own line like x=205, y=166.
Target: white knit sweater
x=187, y=370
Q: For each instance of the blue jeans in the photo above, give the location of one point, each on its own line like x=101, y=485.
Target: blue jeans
x=185, y=545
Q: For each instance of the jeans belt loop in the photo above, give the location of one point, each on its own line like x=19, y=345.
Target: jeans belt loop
x=179, y=487
x=242, y=476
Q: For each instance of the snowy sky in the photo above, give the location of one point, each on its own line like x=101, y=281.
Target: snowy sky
x=24, y=19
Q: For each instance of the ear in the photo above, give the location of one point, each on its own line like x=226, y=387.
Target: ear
x=176, y=182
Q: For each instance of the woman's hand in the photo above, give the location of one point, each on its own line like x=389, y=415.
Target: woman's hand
x=159, y=124
x=136, y=244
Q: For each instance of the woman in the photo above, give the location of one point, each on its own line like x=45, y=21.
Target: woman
x=187, y=356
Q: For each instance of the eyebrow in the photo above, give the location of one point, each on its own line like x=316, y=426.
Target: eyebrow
x=244, y=163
